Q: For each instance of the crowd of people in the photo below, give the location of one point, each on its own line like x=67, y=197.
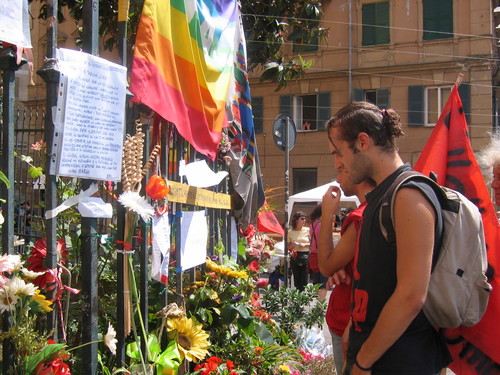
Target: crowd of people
x=375, y=308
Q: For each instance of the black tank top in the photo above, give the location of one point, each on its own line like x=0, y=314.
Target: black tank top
x=420, y=350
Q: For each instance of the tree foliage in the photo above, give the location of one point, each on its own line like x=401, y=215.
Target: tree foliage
x=270, y=26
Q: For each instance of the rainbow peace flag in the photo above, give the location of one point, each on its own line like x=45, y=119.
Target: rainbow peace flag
x=183, y=65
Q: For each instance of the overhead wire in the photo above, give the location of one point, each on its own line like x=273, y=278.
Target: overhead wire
x=451, y=57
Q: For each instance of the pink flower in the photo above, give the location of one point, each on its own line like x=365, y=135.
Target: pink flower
x=38, y=146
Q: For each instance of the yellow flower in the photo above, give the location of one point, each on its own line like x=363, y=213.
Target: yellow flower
x=192, y=340
x=225, y=270
x=284, y=368
x=42, y=302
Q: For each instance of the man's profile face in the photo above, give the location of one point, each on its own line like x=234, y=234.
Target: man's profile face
x=345, y=157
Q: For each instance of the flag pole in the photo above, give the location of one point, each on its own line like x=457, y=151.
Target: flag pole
x=458, y=82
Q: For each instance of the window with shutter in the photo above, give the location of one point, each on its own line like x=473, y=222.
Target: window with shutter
x=258, y=114
x=304, y=179
x=309, y=112
x=435, y=100
x=379, y=97
x=375, y=19
x=425, y=103
x=416, y=105
x=438, y=19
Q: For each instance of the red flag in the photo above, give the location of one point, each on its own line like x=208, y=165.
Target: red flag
x=449, y=154
x=267, y=222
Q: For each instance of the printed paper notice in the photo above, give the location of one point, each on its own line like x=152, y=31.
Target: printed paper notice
x=91, y=112
x=194, y=236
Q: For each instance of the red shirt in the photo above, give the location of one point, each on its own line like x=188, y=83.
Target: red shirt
x=339, y=305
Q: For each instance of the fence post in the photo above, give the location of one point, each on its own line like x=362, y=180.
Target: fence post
x=8, y=65
x=50, y=74
x=90, y=44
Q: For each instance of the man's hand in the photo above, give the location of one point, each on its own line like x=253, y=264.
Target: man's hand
x=331, y=200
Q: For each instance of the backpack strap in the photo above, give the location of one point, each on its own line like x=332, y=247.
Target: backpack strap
x=386, y=214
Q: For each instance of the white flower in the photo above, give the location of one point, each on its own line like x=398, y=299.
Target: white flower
x=110, y=339
x=30, y=275
x=18, y=241
x=19, y=287
x=10, y=262
x=8, y=300
x=133, y=201
x=1, y=218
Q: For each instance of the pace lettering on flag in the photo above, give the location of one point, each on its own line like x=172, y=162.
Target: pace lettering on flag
x=183, y=65
x=448, y=153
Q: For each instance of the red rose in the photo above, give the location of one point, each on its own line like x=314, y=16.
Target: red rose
x=55, y=367
x=262, y=283
x=254, y=266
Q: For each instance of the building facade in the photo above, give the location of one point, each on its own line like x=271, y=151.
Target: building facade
x=403, y=54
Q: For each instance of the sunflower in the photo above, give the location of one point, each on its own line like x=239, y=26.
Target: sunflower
x=43, y=303
x=225, y=270
x=191, y=338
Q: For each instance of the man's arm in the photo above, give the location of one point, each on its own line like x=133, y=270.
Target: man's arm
x=414, y=220
x=331, y=260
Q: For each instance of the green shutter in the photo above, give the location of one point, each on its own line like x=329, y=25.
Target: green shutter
x=286, y=104
x=416, y=105
x=446, y=18
x=382, y=17
x=375, y=19
x=438, y=16
x=323, y=109
x=359, y=95
x=383, y=98
x=258, y=113
x=368, y=20
x=464, y=91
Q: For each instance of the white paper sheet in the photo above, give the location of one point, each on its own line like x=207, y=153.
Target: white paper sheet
x=194, y=235
x=161, y=248
x=49, y=214
x=199, y=174
x=234, y=239
x=14, y=22
x=95, y=207
x=91, y=106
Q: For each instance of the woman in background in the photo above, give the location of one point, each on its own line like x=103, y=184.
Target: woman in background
x=316, y=276
x=298, y=246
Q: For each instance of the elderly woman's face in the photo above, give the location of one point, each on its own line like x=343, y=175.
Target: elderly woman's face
x=495, y=184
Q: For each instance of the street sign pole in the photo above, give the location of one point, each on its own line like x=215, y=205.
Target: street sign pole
x=284, y=136
x=287, y=214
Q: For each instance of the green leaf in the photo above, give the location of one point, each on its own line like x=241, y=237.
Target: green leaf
x=247, y=326
x=5, y=180
x=46, y=352
x=244, y=311
x=133, y=351
x=35, y=172
x=154, y=347
x=270, y=74
x=263, y=333
x=170, y=359
x=229, y=314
